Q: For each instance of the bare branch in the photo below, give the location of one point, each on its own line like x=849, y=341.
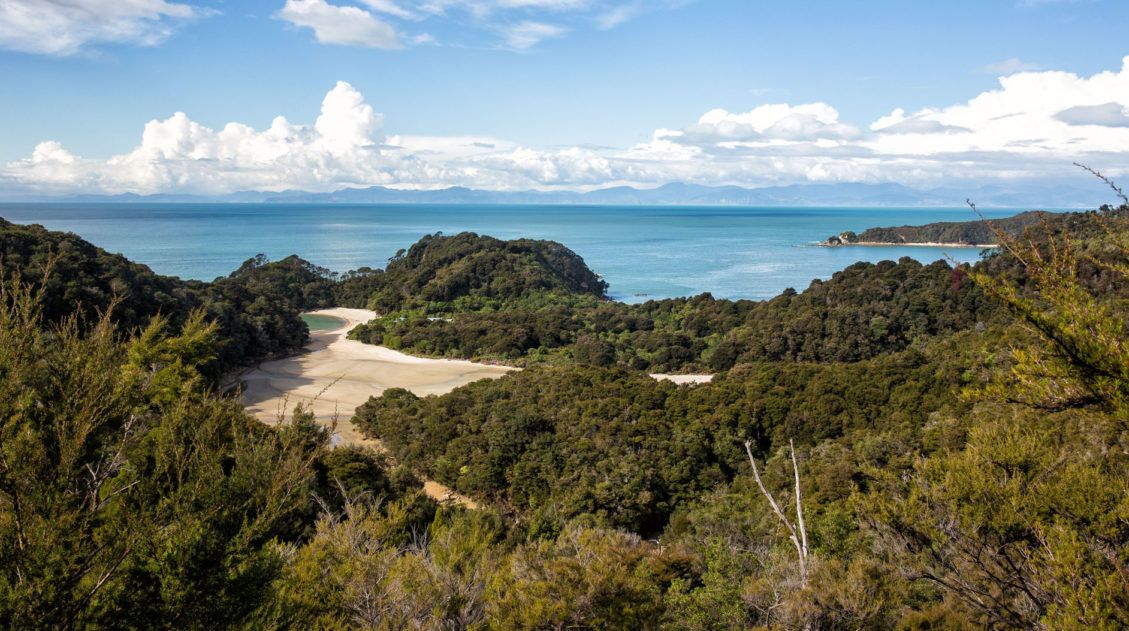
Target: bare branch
x=1116, y=189
x=799, y=500
x=1002, y=238
x=801, y=547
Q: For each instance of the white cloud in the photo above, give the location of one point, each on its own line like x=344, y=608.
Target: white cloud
x=342, y=147
x=1032, y=126
x=66, y=27
x=1021, y=118
x=528, y=34
x=390, y=8
x=346, y=25
x=780, y=121
x=617, y=15
x=517, y=25
x=52, y=151
x=522, y=24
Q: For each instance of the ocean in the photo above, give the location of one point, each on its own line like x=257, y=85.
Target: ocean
x=643, y=252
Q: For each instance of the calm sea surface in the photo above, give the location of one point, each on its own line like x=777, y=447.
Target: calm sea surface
x=643, y=252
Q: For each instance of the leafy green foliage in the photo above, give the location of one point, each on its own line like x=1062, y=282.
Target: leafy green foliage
x=618, y=445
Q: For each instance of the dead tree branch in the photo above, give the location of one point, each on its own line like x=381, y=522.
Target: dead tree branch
x=798, y=536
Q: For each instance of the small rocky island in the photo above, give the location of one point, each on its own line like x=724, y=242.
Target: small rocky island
x=977, y=233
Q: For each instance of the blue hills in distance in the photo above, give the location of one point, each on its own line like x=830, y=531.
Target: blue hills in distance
x=819, y=195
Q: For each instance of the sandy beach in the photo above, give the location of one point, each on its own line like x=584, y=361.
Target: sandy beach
x=682, y=379
x=336, y=374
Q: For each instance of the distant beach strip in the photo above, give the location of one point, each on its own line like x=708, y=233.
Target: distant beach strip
x=930, y=244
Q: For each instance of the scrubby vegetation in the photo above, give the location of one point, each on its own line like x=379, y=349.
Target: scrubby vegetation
x=961, y=443
x=129, y=495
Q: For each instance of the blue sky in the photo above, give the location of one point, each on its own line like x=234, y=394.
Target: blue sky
x=548, y=93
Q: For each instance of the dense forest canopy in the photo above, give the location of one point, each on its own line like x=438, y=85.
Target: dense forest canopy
x=472, y=270
x=961, y=443
x=861, y=312
x=256, y=308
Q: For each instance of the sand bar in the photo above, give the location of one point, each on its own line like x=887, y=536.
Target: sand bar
x=336, y=374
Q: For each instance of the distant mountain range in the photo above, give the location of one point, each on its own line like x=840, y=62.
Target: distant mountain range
x=848, y=194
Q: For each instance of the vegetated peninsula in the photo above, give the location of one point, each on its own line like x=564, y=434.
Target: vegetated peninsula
x=951, y=233
x=955, y=437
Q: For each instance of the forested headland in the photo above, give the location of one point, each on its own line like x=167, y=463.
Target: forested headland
x=977, y=232
x=957, y=439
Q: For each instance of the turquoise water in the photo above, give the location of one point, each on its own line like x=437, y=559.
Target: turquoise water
x=318, y=322
x=643, y=252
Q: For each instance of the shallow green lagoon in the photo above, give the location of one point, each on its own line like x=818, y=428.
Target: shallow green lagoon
x=318, y=322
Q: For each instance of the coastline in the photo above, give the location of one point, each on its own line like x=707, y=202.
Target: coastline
x=926, y=244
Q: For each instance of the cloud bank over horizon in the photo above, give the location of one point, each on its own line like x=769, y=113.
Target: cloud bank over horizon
x=1033, y=125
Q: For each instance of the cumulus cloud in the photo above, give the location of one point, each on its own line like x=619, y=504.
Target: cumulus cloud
x=1022, y=117
x=1032, y=126
x=811, y=121
x=342, y=147
x=346, y=25
x=66, y=27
